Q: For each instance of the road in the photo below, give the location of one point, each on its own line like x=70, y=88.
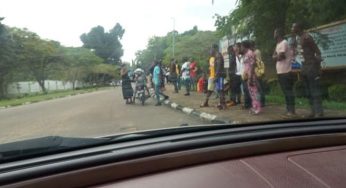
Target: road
x=86, y=115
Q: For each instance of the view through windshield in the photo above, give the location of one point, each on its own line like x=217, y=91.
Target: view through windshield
x=97, y=68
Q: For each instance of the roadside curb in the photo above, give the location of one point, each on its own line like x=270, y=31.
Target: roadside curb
x=194, y=113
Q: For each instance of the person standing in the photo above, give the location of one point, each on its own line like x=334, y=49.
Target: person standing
x=250, y=77
x=173, y=74
x=185, y=75
x=193, y=74
x=260, y=72
x=178, y=70
x=126, y=84
x=162, y=76
x=220, y=77
x=283, y=58
x=244, y=80
x=216, y=76
x=236, y=64
x=311, y=68
x=157, y=82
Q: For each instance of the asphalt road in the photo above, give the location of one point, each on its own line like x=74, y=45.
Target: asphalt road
x=86, y=115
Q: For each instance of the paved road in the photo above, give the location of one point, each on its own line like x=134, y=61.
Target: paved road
x=92, y=114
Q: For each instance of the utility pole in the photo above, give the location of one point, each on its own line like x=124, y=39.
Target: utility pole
x=173, y=36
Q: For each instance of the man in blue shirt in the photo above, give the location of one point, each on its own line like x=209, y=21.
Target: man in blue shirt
x=157, y=82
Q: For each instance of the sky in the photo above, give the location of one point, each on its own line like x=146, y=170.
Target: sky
x=66, y=20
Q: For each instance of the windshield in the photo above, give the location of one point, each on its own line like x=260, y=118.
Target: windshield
x=91, y=69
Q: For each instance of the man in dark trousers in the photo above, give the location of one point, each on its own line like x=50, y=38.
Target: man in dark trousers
x=217, y=76
x=173, y=74
x=311, y=67
x=235, y=73
x=283, y=58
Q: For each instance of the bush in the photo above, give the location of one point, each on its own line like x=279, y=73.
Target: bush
x=299, y=89
x=274, y=87
x=337, y=92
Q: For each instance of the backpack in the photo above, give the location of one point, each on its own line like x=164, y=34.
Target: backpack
x=260, y=68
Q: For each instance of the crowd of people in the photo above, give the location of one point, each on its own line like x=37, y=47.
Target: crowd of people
x=244, y=79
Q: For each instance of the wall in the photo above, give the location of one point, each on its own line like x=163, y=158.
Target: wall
x=18, y=88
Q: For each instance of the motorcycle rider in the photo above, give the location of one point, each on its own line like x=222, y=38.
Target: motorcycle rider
x=140, y=80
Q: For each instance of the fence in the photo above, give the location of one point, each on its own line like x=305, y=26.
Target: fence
x=28, y=87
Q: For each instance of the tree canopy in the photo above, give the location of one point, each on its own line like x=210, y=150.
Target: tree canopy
x=105, y=44
x=257, y=19
x=192, y=43
x=25, y=56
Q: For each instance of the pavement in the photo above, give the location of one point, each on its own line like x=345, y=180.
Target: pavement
x=234, y=114
x=104, y=113
x=93, y=114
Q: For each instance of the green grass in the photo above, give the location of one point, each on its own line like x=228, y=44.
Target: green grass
x=303, y=103
x=32, y=98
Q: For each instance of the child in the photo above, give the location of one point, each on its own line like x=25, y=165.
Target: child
x=202, y=84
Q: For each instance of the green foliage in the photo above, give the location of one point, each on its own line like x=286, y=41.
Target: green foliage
x=274, y=87
x=25, y=56
x=337, y=92
x=6, y=62
x=155, y=50
x=79, y=64
x=299, y=89
x=36, y=54
x=106, y=44
x=257, y=19
x=191, y=43
x=196, y=46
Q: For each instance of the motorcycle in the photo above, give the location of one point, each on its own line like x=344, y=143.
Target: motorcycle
x=140, y=94
x=140, y=86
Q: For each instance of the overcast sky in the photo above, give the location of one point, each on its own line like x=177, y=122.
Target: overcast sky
x=66, y=20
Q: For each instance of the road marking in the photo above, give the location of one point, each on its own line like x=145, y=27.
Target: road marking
x=174, y=105
x=187, y=110
x=208, y=116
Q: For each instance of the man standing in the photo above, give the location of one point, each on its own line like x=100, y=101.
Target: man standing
x=178, y=70
x=157, y=82
x=216, y=76
x=244, y=84
x=311, y=68
x=236, y=70
x=283, y=58
x=185, y=75
x=193, y=74
x=173, y=74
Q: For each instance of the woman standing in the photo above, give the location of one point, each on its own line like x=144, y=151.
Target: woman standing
x=251, y=78
x=126, y=84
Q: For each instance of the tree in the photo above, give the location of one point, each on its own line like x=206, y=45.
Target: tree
x=257, y=19
x=105, y=44
x=36, y=54
x=7, y=55
x=196, y=46
x=104, y=73
x=154, y=51
x=79, y=64
x=191, y=43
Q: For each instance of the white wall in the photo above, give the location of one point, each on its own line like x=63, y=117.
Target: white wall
x=34, y=87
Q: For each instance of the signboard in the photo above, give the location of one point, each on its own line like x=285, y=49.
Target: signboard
x=224, y=43
x=335, y=54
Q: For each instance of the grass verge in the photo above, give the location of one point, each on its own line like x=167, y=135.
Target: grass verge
x=303, y=103
x=42, y=97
